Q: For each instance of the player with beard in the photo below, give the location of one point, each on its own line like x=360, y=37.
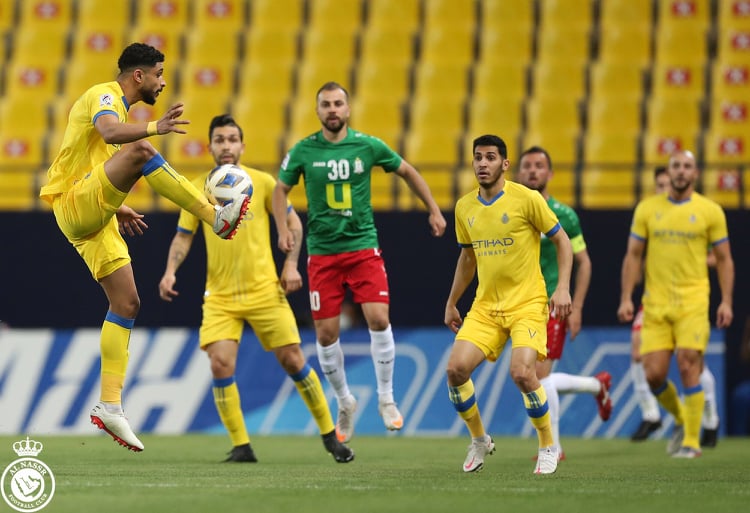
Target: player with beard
x=342, y=243
x=100, y=159
x=534, y=171
x=678, y=227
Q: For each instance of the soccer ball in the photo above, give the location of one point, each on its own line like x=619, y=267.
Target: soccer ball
x=226, y=183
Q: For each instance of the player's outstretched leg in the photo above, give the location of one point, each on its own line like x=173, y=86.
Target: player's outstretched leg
x=340, y=452
x=229, y=217
x=603, y=399
x=116, y=425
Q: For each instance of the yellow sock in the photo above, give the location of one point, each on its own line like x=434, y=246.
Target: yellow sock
x=695, y=400
x=114, y=342
x=227, y=400
x=465, y=403
x=309, y=388
x=538, y=411
x=668, y=398
x=176, y=188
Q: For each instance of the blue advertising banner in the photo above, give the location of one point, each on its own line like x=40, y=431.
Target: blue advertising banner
x=49, y=380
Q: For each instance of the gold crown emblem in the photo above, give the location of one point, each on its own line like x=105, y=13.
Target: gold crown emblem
x=27, y=447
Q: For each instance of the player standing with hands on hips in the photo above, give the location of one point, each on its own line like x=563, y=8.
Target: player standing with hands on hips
x=342, y=243
x=499, y=230
x=100, y=159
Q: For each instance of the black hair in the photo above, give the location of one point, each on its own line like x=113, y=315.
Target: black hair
x=139, y=55
x=659, y=170
x=491, y=140
x=537, y=149
x=223, y=120
x=331, y=86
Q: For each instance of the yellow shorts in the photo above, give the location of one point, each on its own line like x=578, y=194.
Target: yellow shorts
x=526, y=327
x=85, y=215
x=272, y=321
x=666, y=328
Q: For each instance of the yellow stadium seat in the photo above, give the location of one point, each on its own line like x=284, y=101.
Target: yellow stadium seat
x=393, y=15
x=7, y=14
x=101, y=46
x=271, y=81
x=46, y=14
x=340, y=16
x=495, y=115
x=270, y=45
x=168, y=14
x=212, y=44
x=79, y=75
x=627, y=45
x=303, y=120
x=722, y=185
x=436, y=114
x=39, y=80
x=200, y=109
x=164, y=39
x=214, y=79
x=558, y=79
x=680, y=43
x=673, y=115
x=457, y=13
x=327, y=44
x=678, y=80
x=562, y=184
x=696, y=13
x=615, y=80
x=728, y=146
x=427, y=148
x=734, y=43
x=281, y=14
x=19, y=191
x=607, y=188
x=730, y=113
x=229, y=15
x=616, y=13
x=572, y=41
x=609, y=115
x=552, y=114
x=509, y=80
x=26, y=115
x=441, y=186
x=733, y=14
x=448, y=44
x=93, y=14
x=381, y=117
x=657, y=146
x=565, y=12
x=610, y=148
x=562, y=145
x=37, y=44
x=382, y=190
x=447, y=80
x=23, y=151
x=382, y=79
x=311, y=75
x=515, y=40
x=730, y=78
x=263, y=128
x=386, y=45
x=502, y=14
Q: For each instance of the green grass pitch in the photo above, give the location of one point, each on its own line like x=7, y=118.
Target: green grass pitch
x=183, y=474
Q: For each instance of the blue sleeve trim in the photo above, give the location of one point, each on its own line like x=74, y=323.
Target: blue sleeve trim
x=637, y=237
x=553, y=231
x=103, y=113
x=716, y=243
x=183, y=230
x=153, y=164
x=119, y=320
x=223, y=382
x=302, y=374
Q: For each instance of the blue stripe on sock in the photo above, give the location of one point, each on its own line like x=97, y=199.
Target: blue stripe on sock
x=458, y=404
x=537, y=412
x=153, y=164
x=302, y=374
x=223, y=382
x=119, y=320
x=694, y=390
x=659, y=390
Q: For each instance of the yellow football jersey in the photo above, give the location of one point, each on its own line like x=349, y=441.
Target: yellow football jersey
x=82, y=146
x=677, y=235
x=505, y=235
x=242, y=269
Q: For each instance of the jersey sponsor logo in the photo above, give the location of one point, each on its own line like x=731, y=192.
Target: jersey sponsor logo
x=106, y=100
x=285, y=162
x=318, y=164
x=470, y=221
x=505, y=218
x=359, y=168
x=492, y=243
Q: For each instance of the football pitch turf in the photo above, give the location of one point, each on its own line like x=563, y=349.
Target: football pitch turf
x=184, y=474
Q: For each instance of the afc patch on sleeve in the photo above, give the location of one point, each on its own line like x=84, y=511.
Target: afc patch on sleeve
x=106, y=100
